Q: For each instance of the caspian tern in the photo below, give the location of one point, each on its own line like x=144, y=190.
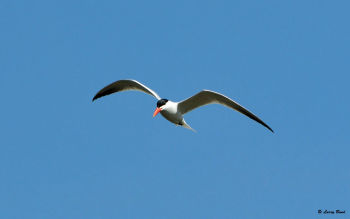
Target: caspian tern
x=174, y=111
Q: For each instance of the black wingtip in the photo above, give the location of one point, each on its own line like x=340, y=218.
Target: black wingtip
x=96, y=97
x=268, y=127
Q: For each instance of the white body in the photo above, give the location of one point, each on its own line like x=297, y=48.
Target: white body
x=171, y=113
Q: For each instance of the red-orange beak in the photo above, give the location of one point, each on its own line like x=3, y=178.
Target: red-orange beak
x=156, y=111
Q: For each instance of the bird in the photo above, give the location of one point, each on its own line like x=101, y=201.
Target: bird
x=175, y=111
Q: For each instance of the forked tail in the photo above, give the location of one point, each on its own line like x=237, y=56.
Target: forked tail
x=185, y=125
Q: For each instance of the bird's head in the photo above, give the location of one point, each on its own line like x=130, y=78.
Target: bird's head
x=160, y=106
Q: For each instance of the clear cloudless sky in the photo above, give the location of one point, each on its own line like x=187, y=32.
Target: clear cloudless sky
x=63, y=156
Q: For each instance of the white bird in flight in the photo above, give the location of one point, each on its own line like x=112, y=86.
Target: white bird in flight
x=175, y=111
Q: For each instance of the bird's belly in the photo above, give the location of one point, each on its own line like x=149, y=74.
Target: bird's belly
x=172, y=117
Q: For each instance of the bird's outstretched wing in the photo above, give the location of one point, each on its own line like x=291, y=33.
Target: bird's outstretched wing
x=208, y=97
x=123, y=85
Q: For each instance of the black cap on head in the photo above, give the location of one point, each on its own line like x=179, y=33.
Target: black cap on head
x=161, y=102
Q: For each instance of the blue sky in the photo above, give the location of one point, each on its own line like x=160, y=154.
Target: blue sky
x=62, y=156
